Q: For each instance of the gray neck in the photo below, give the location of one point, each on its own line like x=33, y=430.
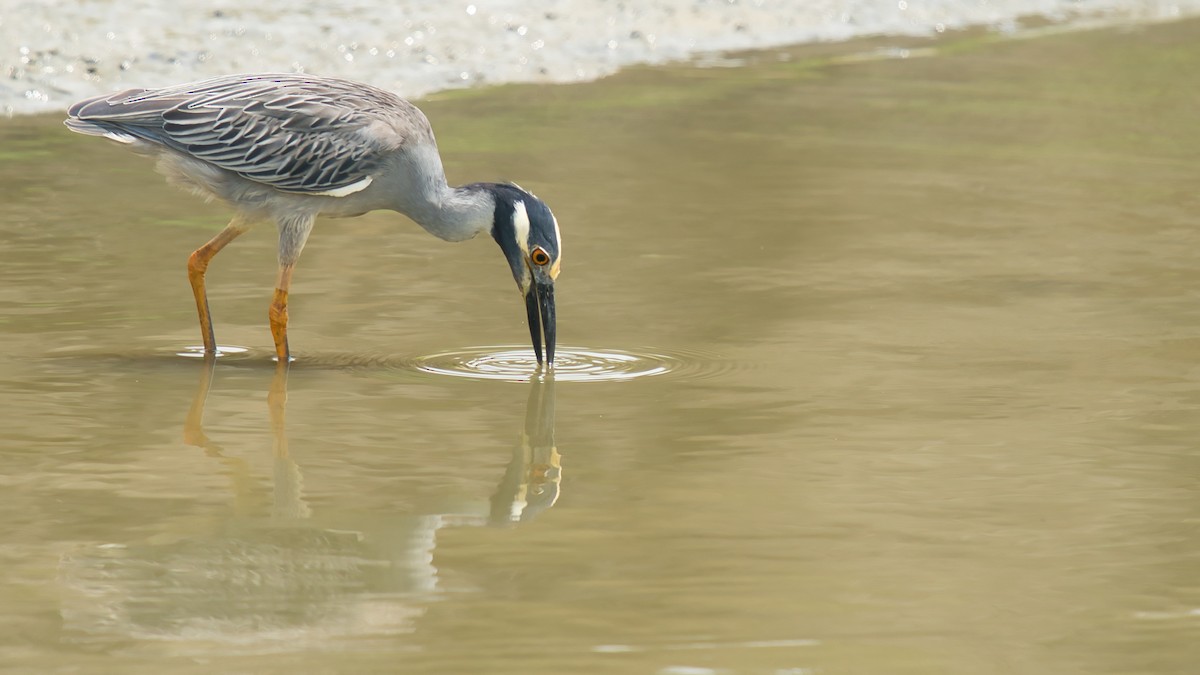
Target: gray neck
x=418, y=189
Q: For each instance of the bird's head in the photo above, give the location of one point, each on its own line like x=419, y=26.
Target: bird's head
x=528, y=234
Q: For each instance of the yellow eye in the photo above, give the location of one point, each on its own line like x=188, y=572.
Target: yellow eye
x=539, y=257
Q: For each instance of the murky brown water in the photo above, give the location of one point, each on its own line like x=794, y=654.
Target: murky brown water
x=930, y=329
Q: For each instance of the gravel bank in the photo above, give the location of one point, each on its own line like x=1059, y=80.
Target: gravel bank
x=53, y=52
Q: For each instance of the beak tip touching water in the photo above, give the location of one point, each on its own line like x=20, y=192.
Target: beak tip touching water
x=539, y=308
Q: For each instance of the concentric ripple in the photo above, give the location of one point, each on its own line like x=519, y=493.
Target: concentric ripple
x=571, y=364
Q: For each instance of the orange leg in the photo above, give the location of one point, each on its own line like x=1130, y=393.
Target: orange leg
x=278, y=313
x=293, y=232
x=198, y=265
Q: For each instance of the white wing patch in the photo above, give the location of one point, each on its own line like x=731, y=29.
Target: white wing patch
x=119, y=137
x=348, y=189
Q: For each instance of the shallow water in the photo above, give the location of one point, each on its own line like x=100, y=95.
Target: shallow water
x=928, y=327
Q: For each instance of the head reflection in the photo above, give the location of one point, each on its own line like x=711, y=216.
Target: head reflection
x=533, y=479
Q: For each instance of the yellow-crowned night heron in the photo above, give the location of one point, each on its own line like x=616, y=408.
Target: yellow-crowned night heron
x=290, y=148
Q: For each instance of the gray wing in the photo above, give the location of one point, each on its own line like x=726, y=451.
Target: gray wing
x=296, y=133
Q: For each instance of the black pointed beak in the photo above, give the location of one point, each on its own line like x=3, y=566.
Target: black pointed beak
x=539, y=308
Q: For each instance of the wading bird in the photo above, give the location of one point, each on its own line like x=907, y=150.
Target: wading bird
x=289, y=148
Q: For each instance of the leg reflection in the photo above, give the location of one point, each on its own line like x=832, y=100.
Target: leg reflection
x=532, y=481
x=288, y=498
x=193, y=424
x=193, y=434
x=289, y=483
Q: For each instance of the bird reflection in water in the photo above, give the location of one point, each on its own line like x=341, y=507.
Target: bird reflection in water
x=530, y=485
x=253, y=583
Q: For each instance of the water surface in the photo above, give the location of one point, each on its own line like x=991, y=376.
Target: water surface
x=931, y=327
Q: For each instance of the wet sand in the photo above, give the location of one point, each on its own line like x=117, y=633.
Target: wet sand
x=934, y=322
x=59, y=51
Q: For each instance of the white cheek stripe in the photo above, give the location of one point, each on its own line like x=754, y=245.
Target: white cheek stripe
x=557, y=236
x=521, y=225
x=557, y=266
